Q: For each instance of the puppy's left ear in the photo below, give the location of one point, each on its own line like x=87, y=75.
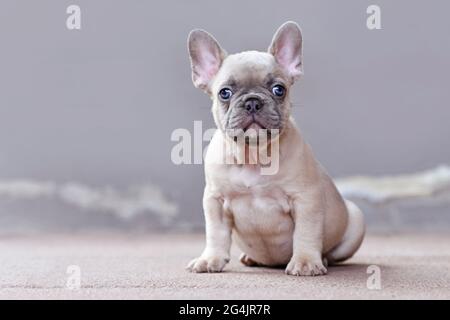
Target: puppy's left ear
x=286, y=47
x=206, y=58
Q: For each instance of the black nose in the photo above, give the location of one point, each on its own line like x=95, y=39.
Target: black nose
x=253, y=105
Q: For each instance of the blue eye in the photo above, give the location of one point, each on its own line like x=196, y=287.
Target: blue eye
x=278, y=90
x=225, y=94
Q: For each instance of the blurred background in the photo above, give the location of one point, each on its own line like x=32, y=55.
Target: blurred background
x=86, y=116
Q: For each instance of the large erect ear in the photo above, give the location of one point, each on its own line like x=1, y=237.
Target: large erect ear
x=286, y=47
x=206, y=58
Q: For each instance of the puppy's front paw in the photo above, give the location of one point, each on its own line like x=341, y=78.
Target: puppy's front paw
x=207, y=264
x=305, y=266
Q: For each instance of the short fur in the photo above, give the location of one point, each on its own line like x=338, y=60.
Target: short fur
x=294, y=218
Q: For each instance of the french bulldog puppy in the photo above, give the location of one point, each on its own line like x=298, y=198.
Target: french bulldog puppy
x=294, y=217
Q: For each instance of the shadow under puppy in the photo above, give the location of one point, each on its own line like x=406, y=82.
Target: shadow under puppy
x=294, y=216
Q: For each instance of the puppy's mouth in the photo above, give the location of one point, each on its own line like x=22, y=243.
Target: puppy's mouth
x=253, y=124
x=251, y=130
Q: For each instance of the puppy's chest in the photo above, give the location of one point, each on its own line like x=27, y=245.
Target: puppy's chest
x=256, y=202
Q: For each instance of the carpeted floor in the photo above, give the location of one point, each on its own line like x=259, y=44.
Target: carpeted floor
x=412, y=266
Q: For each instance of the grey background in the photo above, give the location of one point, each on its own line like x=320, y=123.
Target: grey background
x=99, y=105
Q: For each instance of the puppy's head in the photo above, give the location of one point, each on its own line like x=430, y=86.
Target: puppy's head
x=249, y=89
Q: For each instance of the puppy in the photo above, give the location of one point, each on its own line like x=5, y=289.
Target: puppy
x=294, y=217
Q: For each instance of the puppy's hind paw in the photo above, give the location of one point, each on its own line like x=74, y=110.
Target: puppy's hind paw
x=247, y=261
x=208, y=264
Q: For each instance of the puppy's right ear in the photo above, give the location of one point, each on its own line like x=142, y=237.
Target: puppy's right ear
x=206, y=58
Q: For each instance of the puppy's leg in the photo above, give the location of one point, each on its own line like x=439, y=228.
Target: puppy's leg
x=218, y=238
x=308, y=238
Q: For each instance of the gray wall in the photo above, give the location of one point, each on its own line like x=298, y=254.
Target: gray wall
x=98, y=106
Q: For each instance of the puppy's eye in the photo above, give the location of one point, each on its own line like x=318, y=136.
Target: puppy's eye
x=225, y=94
x=278, y=90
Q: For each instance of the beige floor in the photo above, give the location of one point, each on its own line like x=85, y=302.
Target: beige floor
x=121, y=267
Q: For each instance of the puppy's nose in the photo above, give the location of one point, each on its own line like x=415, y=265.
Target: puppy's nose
x=253, y=105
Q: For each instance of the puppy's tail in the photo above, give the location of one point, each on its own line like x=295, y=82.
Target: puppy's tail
x=353, y=236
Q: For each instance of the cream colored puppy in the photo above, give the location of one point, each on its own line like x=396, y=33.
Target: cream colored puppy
x=293, y=216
